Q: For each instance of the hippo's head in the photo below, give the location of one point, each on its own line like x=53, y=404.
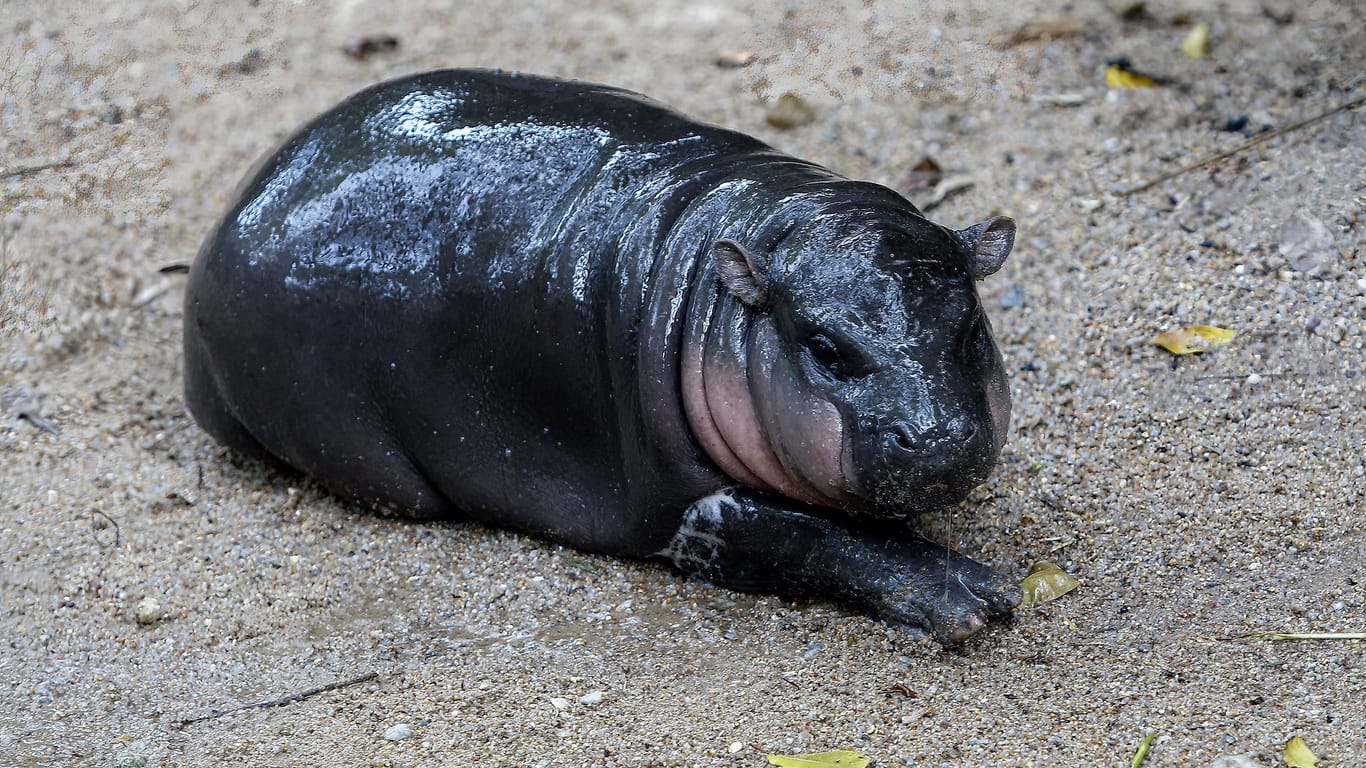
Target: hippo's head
x=871, y=379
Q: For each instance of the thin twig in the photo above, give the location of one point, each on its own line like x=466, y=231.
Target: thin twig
x=1310, y=635
x=284, y=700
x=1241, y=376
x=29, y=170
x=112, y=521
x=1245, y=145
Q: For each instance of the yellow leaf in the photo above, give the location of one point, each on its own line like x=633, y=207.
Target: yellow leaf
x=1193, y=338
x=1196, y=44
x=1297, y=754
x=1118, y=77
x=840, y=759
x=1044, y=582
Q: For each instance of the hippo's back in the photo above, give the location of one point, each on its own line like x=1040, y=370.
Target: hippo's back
x=427, y=292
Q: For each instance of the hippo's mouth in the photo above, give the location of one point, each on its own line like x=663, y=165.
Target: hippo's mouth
x=902, y=499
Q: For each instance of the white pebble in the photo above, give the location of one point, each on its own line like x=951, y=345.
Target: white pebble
x=591, y=698
x=398, y=732
x=148, y=611
x=1254, y=378
x=1235, y=761
x=736, y=746
x=559, y=703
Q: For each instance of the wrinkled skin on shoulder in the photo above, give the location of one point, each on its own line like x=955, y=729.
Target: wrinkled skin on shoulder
x=567, y=309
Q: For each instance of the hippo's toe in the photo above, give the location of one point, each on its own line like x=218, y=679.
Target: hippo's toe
x=932, y=589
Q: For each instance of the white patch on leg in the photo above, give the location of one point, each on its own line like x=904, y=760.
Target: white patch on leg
x=698, y=541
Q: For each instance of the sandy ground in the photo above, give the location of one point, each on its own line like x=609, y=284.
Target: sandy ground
x=1197, y=501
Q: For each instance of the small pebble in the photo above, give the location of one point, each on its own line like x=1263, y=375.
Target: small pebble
x=148, y=611
x=559, y=702
x=398, y=732
x=736, y=746
x=1235, y=761
x=1306, y=243
x=591, y=698
x=735, y=59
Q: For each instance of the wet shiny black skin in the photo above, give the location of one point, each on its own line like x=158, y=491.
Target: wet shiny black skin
x=464, y=292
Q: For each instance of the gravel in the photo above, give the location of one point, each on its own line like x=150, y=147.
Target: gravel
x=1198, y=500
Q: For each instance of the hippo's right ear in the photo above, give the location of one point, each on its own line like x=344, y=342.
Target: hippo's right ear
x=988, y=244
x=735, y=266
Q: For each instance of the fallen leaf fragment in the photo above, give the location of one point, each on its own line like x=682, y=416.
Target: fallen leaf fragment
x=1298, y=755
x=1193, y=338
x=925, y=174
x=1196, y=44
x=1119, y=77
x=363, y=47
x=1044, y=582
x=843, y=758
x=1142, y=750
x=790, y=111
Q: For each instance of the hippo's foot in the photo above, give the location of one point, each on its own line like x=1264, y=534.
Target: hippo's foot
x=919, y=585
x=757, y=542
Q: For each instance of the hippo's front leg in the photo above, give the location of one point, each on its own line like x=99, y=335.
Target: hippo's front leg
x=759, y=542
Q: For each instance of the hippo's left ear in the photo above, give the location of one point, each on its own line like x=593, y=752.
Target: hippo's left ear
x=735, y=266
x=988, y=244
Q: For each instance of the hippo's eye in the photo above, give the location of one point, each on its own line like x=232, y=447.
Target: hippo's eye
x=827, y=356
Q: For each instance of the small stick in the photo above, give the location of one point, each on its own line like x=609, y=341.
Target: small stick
x=112, y=521
x=284, y=700
x=1213, y=377
x=1245, y=145
x=29, y=170
x=1311, y=635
